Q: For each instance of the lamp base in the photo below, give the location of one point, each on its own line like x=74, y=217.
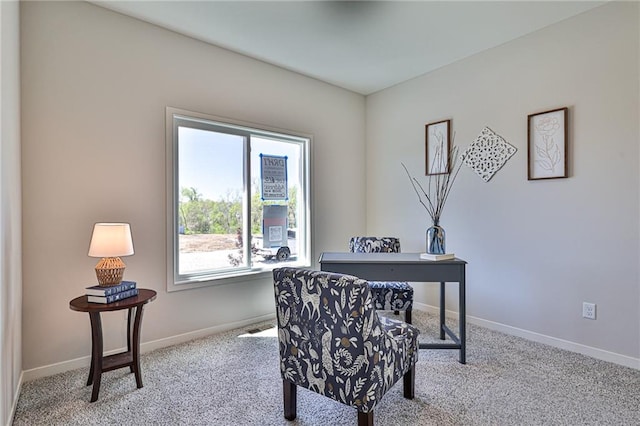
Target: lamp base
x=110, y=271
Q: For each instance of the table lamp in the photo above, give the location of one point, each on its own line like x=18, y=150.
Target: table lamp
x=110, y=241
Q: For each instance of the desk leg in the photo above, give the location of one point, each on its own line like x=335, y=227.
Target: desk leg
x=463, y=320
x=96, y=354
x=442, y=309
x=136, y=345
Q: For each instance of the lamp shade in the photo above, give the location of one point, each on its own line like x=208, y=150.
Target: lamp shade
x=111, y=240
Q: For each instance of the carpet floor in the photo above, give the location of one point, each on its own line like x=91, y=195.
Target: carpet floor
x=233, y=378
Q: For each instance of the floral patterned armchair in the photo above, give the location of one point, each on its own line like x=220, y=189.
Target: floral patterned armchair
x=388, y=295
x=333, y=342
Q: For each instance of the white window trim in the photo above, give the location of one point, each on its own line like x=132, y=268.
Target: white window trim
x=241, y=275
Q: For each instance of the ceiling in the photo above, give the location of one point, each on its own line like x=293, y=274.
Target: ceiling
x=362, y=46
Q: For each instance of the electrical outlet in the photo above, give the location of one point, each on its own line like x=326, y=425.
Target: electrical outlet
x=589, y=310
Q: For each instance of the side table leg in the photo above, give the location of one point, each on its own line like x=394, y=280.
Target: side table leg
x=96, y=354
x=442, y=309
x=93, y=353
x=129, y=324
x=136, y=345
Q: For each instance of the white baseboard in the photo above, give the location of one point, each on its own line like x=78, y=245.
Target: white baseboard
x=601, y=354
x=16, y=397
x=85, y=361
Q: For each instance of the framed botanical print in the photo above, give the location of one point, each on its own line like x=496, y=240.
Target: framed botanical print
x=437, y=147
x=547, y=144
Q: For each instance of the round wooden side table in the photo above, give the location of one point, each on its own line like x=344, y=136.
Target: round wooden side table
x=130, y=358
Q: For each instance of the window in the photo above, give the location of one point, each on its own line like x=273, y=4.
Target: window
x=238, y=199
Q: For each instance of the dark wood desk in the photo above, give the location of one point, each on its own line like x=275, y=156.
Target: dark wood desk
x=409, y=267
x=130, y=358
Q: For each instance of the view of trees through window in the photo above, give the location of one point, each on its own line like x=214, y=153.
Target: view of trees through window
x=204, y=216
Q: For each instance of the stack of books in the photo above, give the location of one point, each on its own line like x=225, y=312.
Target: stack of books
x=101, y=294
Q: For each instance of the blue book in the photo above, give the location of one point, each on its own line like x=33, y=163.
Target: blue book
x=98, y=290
x=114, y=297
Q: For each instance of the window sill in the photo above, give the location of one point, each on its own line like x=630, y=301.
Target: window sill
x=228, y=278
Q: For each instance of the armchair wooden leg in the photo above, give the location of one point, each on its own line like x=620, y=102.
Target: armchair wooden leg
x=365, y=419
x=409, y=381
x=407, y=316
x=290, y=399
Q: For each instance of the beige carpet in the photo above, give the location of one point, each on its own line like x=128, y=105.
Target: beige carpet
x=231, y=380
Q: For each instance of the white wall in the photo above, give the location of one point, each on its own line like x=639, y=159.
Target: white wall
x=95, y=88
x=10, y=216
x=536, y=249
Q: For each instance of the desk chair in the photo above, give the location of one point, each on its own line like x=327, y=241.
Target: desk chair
x=388, y=295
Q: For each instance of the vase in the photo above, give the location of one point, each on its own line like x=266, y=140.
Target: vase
x=435, y=239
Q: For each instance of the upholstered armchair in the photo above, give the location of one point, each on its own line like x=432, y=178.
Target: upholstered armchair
x=333, y=342
x=388, y=295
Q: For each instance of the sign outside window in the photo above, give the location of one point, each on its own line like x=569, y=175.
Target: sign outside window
x=274, y=226
x=273, y=173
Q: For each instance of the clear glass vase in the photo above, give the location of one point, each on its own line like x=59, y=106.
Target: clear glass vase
x=435, y=239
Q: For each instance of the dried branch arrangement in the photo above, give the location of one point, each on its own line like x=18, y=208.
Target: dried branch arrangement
x=434, y=197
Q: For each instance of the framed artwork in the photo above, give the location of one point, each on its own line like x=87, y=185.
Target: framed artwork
x=547, y=143
x=438, y=146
